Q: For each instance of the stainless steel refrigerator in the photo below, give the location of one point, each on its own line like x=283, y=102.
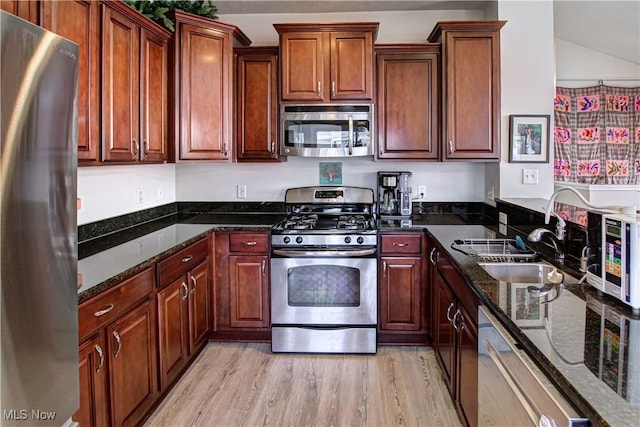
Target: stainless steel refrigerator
x=38, y=251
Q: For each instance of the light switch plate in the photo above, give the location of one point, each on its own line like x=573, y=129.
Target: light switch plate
x=529, y=176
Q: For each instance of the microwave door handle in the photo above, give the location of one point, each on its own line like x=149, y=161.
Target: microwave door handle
x=350, y=135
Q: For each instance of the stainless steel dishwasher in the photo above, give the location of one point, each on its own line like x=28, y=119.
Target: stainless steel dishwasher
x=512, y=391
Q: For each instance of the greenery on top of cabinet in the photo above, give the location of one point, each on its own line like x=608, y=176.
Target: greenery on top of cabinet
x=157, y=10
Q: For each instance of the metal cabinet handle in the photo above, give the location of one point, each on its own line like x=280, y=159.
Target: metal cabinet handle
x=431, y=254
x=451, y=150
x=319, y=87
x=101, y=357
x=384, y=268
x=350, y=135
x=380, y=149
x=194, y=282
x=226, y=148
x=449, y=318
x=264, y=266
x=187, y=258
x=333, y=88
x=273, y=147
x=118, y=343
x=146, y=146
x=136, y=147
x=250, y=243
x=455, y=324
x=400, y=245
x=186, y=291
x=104, y=310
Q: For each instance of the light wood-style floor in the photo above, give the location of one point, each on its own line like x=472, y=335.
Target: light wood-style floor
x=244, y=384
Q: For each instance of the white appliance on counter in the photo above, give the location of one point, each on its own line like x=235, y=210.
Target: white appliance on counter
x=39, y=300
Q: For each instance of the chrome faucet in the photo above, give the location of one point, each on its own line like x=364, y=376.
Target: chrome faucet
x=536, y=236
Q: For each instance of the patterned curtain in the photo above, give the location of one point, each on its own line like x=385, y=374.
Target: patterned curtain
x=597, y=135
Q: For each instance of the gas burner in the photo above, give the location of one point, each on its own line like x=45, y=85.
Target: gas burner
x=352, y=222
x=300, y=222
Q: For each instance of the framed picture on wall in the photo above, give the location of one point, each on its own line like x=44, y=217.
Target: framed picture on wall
x=529, y=139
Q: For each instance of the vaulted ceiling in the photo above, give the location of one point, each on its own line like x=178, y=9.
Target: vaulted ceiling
x=611, y=27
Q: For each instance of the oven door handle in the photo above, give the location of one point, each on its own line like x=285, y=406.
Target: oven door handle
x=302, y=253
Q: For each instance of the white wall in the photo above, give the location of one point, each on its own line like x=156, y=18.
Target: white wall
x=527, y=72
x=108, y=191
x=267, y=182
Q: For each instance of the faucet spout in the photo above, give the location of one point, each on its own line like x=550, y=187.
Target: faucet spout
x=536, y=236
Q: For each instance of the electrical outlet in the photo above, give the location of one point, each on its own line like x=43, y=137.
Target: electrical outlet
x=529, y=176
x=241, y=191
x=79, y=203
x=139, y=197
x=422, y=191
x=160, y=194
x=502, y=218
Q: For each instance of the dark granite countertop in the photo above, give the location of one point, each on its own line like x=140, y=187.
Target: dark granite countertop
x=105, y=261
x=588, y=345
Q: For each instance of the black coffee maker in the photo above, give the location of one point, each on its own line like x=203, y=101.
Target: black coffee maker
x=394, y=194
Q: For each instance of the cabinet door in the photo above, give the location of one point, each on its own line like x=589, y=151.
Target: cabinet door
x=27, y=10
x=408, y=106
x=467, y=370
x=351, y=65
x=257, y=101
x=204, y=94
x=132, y=362
x=472, y=95
x=444, y=340
x=302, y=66
x=173, y=324
x=120, y=74
x=248, y=291
x=400, y=294
x=198, y=305
x=79, y=21
x=153, y=97
x=94, y=410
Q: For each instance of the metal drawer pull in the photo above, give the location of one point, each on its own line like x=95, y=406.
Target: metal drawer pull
x=400, y=245
x=195, y=283
x=186, y=291
x=187, y=258
x=104, y=310
x=431, y=254
x=118, y=342
x=449, y=318
x=101, y=355
x=252, y=243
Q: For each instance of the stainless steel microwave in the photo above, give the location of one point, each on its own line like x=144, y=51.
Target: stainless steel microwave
x=327, y=130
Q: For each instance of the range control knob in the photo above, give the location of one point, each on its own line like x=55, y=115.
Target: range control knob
x=286, y=239
x=361, y=240
x=347, y=240
x=298, y=239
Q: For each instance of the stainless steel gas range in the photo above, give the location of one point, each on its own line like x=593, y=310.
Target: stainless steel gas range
x=324, y=272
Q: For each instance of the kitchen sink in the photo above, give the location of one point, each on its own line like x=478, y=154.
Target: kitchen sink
x=524, y=272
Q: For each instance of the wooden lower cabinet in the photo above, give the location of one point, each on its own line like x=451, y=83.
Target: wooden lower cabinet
x=132, y=360
x=118, y=354
x=183, y=309
x=456, y=338
x=94, y=408
x=242, y=286
x=403, y=290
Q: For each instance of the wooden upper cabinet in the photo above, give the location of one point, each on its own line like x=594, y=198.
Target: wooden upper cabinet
x=326, y=62
x=25, y=9
x=257, y=104
x=79, y=21
x=134, y=86
x=408, y=101
x=471, y=89
x=203, y=79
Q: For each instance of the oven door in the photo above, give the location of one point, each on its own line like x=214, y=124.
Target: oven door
x=323, y=291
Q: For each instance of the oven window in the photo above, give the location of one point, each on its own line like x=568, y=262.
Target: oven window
x=323, y=286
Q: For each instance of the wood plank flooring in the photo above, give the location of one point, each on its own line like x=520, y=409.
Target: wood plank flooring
x=244, y=384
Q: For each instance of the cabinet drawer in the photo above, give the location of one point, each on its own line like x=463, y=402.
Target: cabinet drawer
x=104, y=308
x=249, y=242
x=400, y=243
x=179, y=263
